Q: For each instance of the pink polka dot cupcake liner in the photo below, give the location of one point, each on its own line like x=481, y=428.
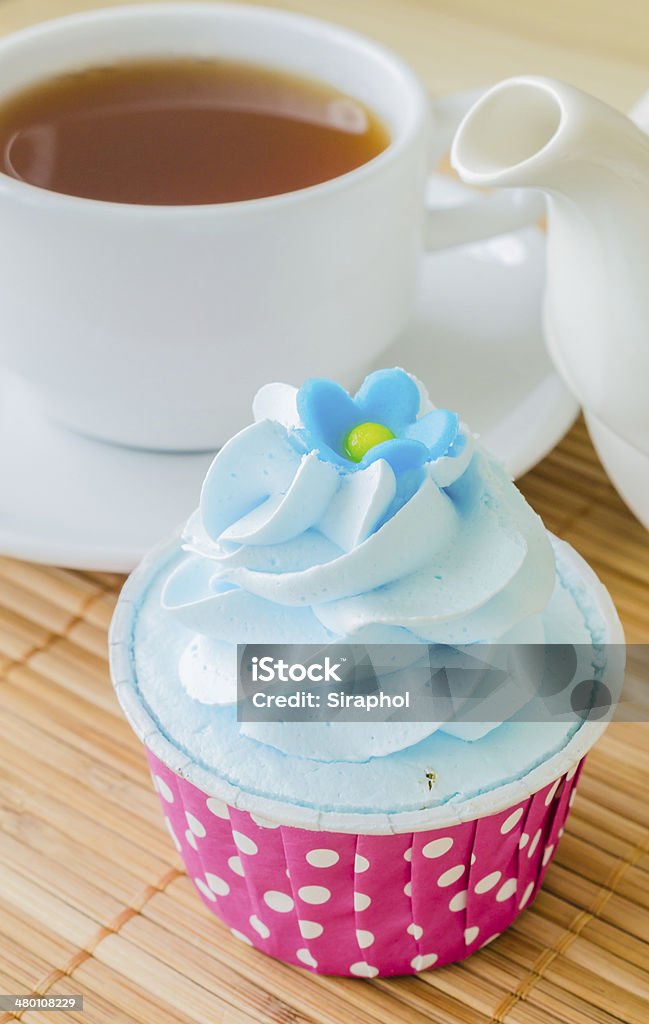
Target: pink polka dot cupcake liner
x=356, y=894
x=359, y=904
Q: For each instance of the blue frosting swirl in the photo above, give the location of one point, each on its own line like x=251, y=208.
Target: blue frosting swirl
x=424, y=539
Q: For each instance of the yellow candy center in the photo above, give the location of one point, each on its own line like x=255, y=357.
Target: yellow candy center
x=360, y=439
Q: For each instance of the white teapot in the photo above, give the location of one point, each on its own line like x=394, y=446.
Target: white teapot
x=592, y=163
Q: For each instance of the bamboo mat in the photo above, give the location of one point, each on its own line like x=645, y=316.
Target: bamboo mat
x=93, y=899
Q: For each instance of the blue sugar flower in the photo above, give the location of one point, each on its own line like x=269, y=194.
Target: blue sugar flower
x=379, y=422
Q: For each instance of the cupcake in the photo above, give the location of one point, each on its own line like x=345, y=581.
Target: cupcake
x=357, y=848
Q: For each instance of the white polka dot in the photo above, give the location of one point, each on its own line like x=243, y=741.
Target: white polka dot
x=471, y=934
x=163, y=789
x=361, y=901
x=507, y=890
x=526, y=896
x=551, y=792
x=264, y=822
x=244, y=843
x=205, y=889
x=547, y=853
x=560, y=832
x=571, y=798
x=191, y=839
x=420, y=963
x=305, y=956
x=451, y=875
x=491, y=938
x=523, y=841
x=217, y=807
x=234, y=863
x=458, y=902
x=239, y=935
x=573, y=771
x=488, y=882
x=473, y=858
x=170, y=830
x=437, y=847
x=259, y=926
x=534, y=844
x=363, y=970
x=416, y=931
x=512, y=821
x=310, y=929
x=322, y=858
x=364, y=938
x=361, y=864
x=407, y=889
x=196, y=826
x=217, y=884
x=314, y=894
x=407, y=854
x=278, y=901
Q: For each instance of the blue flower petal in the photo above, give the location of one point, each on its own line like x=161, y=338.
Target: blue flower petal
x=400, y=453
x=328, y=414
x=407, y=485
x=389, y=396
x=457, y=447
x=406, y=458
x=437, y=430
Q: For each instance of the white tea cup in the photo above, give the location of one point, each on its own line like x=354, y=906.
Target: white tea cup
x=152, y=326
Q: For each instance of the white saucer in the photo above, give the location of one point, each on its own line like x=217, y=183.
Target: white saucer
x=476, y=342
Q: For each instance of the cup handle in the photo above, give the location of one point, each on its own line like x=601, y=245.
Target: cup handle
x=485, y=215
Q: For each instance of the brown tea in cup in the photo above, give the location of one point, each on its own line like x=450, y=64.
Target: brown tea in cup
x=183, y=132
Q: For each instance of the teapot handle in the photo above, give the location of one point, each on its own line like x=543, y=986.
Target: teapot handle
x=481, y=216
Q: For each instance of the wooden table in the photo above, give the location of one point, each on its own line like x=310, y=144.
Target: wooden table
x=93, y=899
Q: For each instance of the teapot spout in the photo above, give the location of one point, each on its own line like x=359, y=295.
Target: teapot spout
x=509, y=135
x=541, y=133
x=592, y=163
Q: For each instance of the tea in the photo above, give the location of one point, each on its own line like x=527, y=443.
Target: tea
x=183, y=131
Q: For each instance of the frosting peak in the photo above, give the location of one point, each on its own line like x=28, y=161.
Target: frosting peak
x=423, y=538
